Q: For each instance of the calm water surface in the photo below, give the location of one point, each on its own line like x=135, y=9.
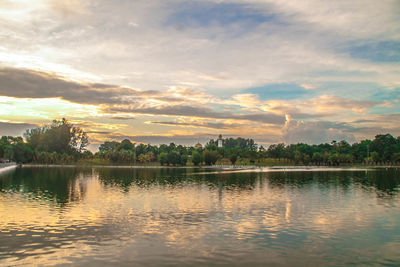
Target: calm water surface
x=176, y=217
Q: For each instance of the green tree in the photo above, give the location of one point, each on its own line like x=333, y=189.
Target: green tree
x=233, y=158
x=108, y=146
x=334, y=159
x=298, y=157
x=4, y=144
x=317, y=157
x=60, y=137
x=20, y=153
x=150, y=156
x=184, y=159
x=396, y=157
x=210, y=157
x=276, y=151
x=163, y=158
x=375, y=157
x=125, y=145
x=174, y=158
x=384, y=145
x=196, y=158
x=142, y=158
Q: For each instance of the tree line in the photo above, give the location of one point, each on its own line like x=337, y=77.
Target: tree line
x=58, y=142
x=63, y=143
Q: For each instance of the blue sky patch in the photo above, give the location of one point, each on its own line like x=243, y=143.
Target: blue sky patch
x=285, y=91
x=384, y=110
x=349, y=90
x=353, y=90
x=342, y=73
x=205, y=14
x=377, y=51
x=385, y=94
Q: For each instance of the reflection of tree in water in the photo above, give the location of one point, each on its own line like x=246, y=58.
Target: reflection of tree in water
x=283, y=179
x=385, y=182
x=306, y=179
x=230, y=181
x=125, y=178
x=61, y=185
x=142, y=177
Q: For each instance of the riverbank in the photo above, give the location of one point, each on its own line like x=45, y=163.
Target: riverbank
x=311, y=167
x=111, y=166
x=5, y=167
x=134, y=166
x=223, y=168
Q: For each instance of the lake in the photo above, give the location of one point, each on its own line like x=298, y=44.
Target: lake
x=198, y=217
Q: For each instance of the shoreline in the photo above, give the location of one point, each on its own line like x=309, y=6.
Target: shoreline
x=225, y=168
x=7, y=168
x=103, y=166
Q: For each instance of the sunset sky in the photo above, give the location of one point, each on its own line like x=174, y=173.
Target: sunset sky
x=165, y=71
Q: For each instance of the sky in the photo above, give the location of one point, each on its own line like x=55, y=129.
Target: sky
x=164, y=71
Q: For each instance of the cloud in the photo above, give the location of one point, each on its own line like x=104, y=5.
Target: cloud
x=207, y=13
x=386, y=104
x=24, y=83
x=98, y=132
x=211, y=125
x=313, y=60
x=308, y=86
x=188, y=140
x=329, y=103
x=199, y=112
x=304, y=108
x=239, y=111
x=283, y=41
x=376, y=51
x=121, y=118
x=316, y=132
x=27, y=83
x=14, y=129
x=363, y=121
x=297, y=109
x=344, y=17
x=389, y=116
x=390, y=120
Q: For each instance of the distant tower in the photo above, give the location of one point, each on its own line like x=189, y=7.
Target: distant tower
x=220, y=141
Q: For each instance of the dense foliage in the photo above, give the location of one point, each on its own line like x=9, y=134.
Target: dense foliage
x=61, y=142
